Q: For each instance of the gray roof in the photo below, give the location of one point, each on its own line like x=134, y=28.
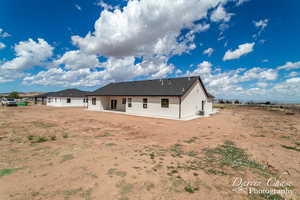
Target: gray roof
x=66, y=93
x=43, y=95
x=158, y=87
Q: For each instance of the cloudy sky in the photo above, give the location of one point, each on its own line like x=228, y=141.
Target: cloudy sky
x=244, y=49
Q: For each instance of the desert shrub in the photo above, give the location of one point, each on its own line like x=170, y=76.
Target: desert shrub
x=228, y=154
x=53, y=137
x=291, y=148
x=30, y=137
x=37, y=139
x=190, y=189
x=4, y=172
x=41, y=139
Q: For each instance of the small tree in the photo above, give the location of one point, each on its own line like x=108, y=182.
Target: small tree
x=14, y=95
x=228, y=102
x=221, y=101
x=236, y=102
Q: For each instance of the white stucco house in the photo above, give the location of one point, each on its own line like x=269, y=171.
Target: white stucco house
x=67, y=98
x=174, y=98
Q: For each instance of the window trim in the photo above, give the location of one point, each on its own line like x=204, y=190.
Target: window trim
x=94, y=101
x=162, y=103
x=145, y=103
x=129, y=103
x=123, y=101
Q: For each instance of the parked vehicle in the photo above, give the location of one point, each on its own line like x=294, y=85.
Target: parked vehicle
x=9, y=102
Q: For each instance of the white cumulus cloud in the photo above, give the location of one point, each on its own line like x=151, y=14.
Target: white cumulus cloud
x=78, y=59
x=28, y=54
x=220, y=14
x=263, y=23
x=106, y=6
x=114, y=69
x=208, y=51
x=262, y=84
x=137, y=30
x=232, y=83
x=240, y=2
x=293, y=74
x=260, y=73
x=2, y=45
x=242, y=49
x=78, y=7
x=293, y=80
x=4, y=34
x=289, y=66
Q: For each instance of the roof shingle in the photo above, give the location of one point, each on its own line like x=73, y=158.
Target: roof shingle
x=66, y=93
x=158, y=87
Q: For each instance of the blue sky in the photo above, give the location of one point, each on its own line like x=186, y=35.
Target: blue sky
x=244, y=49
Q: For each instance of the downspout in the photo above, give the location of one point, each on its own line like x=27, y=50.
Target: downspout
x=179, y=107
x=87, y=102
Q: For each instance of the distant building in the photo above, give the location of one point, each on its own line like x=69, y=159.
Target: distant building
x=66, y=98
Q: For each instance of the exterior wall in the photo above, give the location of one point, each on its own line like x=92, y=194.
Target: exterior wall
x=101, y=103
x=104, y=103
x=120, y=105
x=62, y=102
x=209, y=106
x=154, y=108
x=40, y=100
x=191, y=102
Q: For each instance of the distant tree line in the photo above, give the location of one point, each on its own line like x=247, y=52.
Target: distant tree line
x=222, y=101
x=13, y=95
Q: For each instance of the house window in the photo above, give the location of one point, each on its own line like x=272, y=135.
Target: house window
x=49, y=100
x=55, y=100
x=68, y=100
x=85, y=100
x=124, y=101
x=93, y=101
x=145, y=102
x=165, y=103
x=129, y=102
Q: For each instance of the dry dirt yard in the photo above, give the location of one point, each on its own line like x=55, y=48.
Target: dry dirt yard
x=71, y=153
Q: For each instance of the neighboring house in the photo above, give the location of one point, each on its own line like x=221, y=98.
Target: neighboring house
x=175, y=98
x=41, y=98
x=67, y=98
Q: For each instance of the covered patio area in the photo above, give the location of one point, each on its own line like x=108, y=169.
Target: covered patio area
x=113, y=103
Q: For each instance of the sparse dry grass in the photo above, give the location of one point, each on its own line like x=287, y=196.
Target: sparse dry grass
x=68, y=153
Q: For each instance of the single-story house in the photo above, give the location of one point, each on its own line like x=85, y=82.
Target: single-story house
x=175, y=98
x=41, y=98
x=67, y=98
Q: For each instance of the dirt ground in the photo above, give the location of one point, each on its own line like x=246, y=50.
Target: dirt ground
x=71, y=153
